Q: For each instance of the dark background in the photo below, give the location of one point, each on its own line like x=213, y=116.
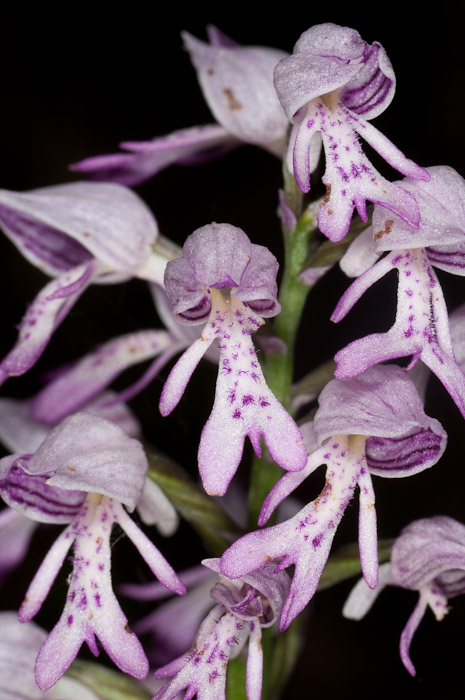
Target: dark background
x=77, y=78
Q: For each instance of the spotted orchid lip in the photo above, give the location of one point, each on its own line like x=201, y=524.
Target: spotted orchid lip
x=244, y=405
x=372, y=424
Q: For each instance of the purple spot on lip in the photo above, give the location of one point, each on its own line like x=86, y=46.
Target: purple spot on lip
x=317, y=540
x=247, y=399
x=237, y=413
x=70, y=620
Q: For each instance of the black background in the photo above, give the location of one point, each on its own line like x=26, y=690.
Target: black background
x=77, y=78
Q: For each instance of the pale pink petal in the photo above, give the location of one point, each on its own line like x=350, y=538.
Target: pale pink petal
x=361, y=597
x=94, y=372
x=45, y=576
x=155, y=560
x=288, y=483
x=367, y=530
x=254, y=672
x=409, y=630
x=179, y=376
x=43, y=317
x=156, y=509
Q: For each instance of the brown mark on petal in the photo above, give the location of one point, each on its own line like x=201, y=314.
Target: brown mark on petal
x=387, y=229
x=86, y=234
x=330, y=211
x=128, y=629
x=210, y=71
x=327, y=196
x=70, y=467
x=233, y=103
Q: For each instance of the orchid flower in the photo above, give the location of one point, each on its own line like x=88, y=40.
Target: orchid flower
x=421, y=328
x=332, y=84
x=372, y=424
x=83, y=473
x=428, y=557
x=243, y=609
x=19, y=645
x=229, y=283
x=237, y=83
x=78, y=233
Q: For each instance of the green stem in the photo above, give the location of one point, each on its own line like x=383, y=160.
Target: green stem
x=292, y=296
